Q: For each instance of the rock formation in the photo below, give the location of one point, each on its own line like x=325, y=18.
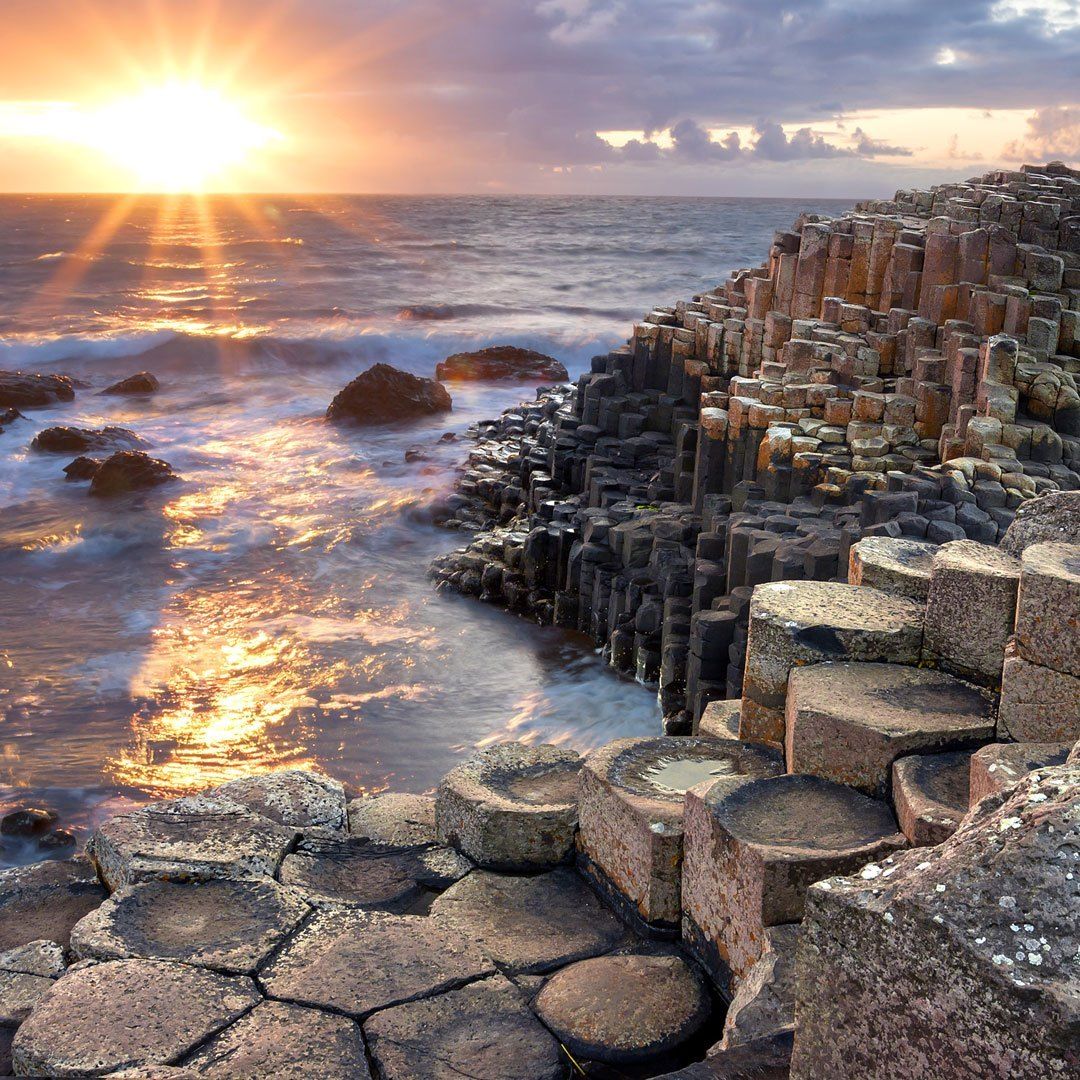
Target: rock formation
x=383, y=394
x=498, y=362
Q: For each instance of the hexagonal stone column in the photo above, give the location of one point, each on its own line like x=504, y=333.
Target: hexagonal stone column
x=752, y=852
x=849, y=722
x=894, y=565
x=300, y=798
x=720, y=719
x=394, y=817
x=795, y=623
x=632, y=793
x=930, y=793
x=995, y=767
x=1038, y=704
x=45, y=900
x=1048, y=607
x=125, y=1013
x=511, y=806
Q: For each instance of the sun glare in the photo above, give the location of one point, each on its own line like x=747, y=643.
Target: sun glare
x=176, y=137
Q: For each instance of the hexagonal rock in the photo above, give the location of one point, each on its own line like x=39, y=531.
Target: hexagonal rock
x=45, y=900
x=483, y=1031
x=356, y=962
x=764, y=1002
x=1051, y=518
x=894, y=565
x=970, y=610
x=948, y=956
x=196, y=838
x=995, y=767
x=720, y=719
x=360, y=873
x=297, y=798
x=630, y=842
x=124, y=1013
x=26, y=975
x=1037, y=704
x=280, y=1040
x=230, y=926
x=1048, y=607
x=624, y=1009
x=752, y=852
x=850, y=722
x=530, y=924
x=511, y=806
x=394, y=818
x=930, y=793
x=795, y=623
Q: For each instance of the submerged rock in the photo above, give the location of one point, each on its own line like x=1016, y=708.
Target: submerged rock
x=20, y=389
x=9, y=416
x=130, y=470
x=383, y=394
x=73, y=440
x=500, y=362
x=28, y=821
x=82, y=468
x=142, y=383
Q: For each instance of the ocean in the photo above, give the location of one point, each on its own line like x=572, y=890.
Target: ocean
x=272, y=610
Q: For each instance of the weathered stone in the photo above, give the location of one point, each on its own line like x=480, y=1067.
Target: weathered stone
x=483, y=1030
x=795, y=623
x=500, y=362
x=764, y=1002
x=624, y=1009
x=297, y=798
x=196, y=838
x=356, y=962
x=767, y=1058
x=511, y=806
x=530, y=924
x=1048, y=607
x=130, y=470
x=29, y=821
x=958, y=960
x=893, y=565
x=382, y=394
x=22, y=390
x=1037, y=704
x=394, y=818
x=632, y=794
x=73, y=440
x=995, y=767
x=26, y=975
x=124, y=1013
x=1051, y=518
x=971, y=610
x=361, y=873
x=45, y=900
x=752, y=851
x=280, y=1040
x=143, y=382
x=850, y=722
x=930, y=793
x=231, y=926
x=720, y=719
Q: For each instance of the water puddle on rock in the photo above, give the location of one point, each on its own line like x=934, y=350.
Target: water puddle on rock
x=678, y=775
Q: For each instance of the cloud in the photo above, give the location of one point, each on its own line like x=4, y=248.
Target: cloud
x=1053, y=133
x=773, y=145
x=693, y=143
x=865, y=146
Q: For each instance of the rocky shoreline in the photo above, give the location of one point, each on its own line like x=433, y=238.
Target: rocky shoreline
x=831, y=510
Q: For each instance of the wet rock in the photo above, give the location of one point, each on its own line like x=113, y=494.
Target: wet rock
x=1048, y=607
x=631, y=839
x=500, y=362
x=764, y=1002
x=362, y=873
x=850, y=722
x=511, y=806
x=195, y=839
x=530, y=925
x=483, y=1031
x=280, y=1040
x=894, y=565
x=23, y=390
x=394, y=818
x=125, y=1013
x=952, y=955
x=45, y=900
x=930, y=793
x=298, y=798
x=1051, y=518
x=130, y=470
x=57, y=840
x=356, y=962
x=383, y=394
x=9, y=416
x=230, y=926
x=995, y=767
x=73, y=440
x=624, y=1009
x=141, y=383
x=82, y=468
x=26, y=975
x=28, y=821
x=416, y=453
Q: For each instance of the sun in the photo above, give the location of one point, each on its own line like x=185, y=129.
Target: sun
x=176, y=137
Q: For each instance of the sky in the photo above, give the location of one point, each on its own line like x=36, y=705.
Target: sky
x=643, y=97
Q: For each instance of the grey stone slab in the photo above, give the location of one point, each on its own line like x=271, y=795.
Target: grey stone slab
x=931, y=794
x=230, y=926
x=26, y=975
x=394, y=818
x=99, y=1018
x=45, y=900
x=995, y=767
x=482, y=1031
x=530, y=924
x=356, y=962
x=764, y=1002
x=297, y=798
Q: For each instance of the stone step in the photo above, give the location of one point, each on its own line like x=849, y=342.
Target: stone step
x=895, y=565
x=930, y=793
x=720, y=719
x=997, y=766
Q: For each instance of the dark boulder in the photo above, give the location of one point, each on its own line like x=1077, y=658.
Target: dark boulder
x=142, y=383
x=82, y=468
x=73, y=440
x=500, y=362
x=383, y=394
x=28, y=821
x=130, y=470
x=9, y=416
x=17, y=388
